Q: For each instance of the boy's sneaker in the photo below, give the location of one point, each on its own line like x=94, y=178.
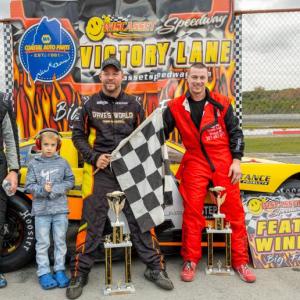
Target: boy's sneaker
x=3, y=281
x=160, y=278
x=188, y=271
x=61, y=279
x=245, y=273
x=76, y=285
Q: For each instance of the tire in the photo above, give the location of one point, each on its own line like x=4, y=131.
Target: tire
x=19, y=242
x=291, y=186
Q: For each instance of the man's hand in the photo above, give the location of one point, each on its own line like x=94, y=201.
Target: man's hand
x=12, y=177
x=103, y=161
x=235, y=171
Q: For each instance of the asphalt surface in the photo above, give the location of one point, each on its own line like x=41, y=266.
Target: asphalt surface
x=272, y=284
x=271, y=120
x=281, y=157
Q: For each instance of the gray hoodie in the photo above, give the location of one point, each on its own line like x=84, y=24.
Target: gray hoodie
x=56, y=170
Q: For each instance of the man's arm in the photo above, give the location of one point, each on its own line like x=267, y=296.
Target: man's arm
x=80, y=136
x=235, y=133
x=169, y=122
x=236, y=144
x=11, y=141
x=140, y=117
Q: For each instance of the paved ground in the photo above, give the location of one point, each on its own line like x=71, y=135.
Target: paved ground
x=271, y=284
x=281, y=157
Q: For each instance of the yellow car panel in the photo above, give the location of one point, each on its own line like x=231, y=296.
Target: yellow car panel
x=258, y=175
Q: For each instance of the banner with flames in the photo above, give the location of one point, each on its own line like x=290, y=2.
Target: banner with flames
x=273, y=226
x=59, y=47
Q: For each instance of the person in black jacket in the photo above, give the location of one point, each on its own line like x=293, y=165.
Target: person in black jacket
x=9, y=162
x=101, y=123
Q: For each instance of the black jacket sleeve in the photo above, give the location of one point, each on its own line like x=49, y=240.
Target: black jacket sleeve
x=140, y=113
x=169, y=122
x=80, y=134
x=235, y=133
x=10, y=134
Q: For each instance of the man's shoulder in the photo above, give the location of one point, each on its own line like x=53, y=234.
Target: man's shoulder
x=176, y=101
x=224, y=100
x=85, y=99
x=135, y=100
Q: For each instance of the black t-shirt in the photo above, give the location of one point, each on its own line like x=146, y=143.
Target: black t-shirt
x=196, y=110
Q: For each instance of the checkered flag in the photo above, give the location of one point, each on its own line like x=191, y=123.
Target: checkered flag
x=140, y=163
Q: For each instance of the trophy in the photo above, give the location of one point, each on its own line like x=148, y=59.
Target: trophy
x=116, y=201
x=219, y=269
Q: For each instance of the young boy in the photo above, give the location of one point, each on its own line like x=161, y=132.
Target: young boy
x=48, y=179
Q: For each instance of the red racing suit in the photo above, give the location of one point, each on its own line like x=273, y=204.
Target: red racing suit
x=209, y=154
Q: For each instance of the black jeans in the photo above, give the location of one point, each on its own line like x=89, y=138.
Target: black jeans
x=95, y=209
x=3, y=196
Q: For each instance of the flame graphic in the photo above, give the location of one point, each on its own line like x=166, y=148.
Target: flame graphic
x=36, y=104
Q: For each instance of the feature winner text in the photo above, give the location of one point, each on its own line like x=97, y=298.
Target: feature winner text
x=277, y=235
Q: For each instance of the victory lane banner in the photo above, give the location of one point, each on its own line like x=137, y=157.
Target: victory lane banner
x=273, y=227
x=59, y=46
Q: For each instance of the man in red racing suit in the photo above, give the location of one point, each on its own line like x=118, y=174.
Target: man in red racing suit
x=214, y=147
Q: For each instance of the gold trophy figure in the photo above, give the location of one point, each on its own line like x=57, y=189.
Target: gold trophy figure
x=116, y=201
x=219, y=198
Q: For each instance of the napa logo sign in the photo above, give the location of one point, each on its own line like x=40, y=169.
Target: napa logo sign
x=47, y=51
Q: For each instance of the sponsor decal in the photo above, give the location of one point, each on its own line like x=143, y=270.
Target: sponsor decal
x=97, y=28
x=255, y=179
x=174, y=24
x=47, y=51
x=273, y=227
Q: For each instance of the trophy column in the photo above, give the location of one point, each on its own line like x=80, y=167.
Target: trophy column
x=116, y=202
x=219, y=229
x=127, y=265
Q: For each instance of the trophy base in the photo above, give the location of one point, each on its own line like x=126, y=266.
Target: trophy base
x=119, y=290
x=219, y=271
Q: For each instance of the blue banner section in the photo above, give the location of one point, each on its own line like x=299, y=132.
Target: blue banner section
x=47, y=51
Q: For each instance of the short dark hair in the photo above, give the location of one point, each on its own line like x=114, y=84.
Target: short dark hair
x=198, y=65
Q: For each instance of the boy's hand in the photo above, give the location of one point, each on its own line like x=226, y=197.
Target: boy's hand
x=48, y=187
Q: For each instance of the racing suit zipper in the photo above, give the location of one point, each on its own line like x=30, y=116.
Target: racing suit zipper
x=113, y=120
x=215, y=122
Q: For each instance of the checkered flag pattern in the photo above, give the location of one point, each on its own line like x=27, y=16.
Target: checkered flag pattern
x=118, y=19
x=8, y=63
x=238, y=67
x=140, y=164
x=2, y=59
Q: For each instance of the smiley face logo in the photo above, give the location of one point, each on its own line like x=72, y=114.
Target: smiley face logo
x=255, y=206
x=95, y=28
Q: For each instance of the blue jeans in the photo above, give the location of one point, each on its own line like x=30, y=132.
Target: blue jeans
x=59, y=223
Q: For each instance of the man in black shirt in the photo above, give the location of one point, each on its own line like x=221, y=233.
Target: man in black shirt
x=102, y=122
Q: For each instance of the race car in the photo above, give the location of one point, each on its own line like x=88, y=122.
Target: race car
x=259, y=176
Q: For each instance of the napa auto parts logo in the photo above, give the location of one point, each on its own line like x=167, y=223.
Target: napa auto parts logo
x=47, y=51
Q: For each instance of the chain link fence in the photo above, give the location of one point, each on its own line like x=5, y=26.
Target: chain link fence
x=271, y=82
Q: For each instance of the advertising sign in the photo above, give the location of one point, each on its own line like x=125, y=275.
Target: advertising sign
x=273, y=227
x=59, y=47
